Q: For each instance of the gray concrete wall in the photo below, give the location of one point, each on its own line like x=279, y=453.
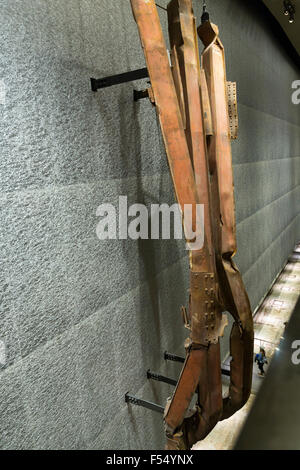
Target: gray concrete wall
x=81, y=320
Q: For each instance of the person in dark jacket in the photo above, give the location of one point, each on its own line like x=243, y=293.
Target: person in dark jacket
x=261, y=360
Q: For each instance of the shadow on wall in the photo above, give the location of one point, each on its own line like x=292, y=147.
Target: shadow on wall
x=157, y=321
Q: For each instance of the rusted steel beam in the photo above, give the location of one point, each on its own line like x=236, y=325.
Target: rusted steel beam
x=153, y=43
x=105, y=82
x=185, y=68
x=232, y=288
x=207, y=322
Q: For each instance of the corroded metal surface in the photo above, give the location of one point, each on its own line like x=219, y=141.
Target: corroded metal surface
x=192, y=106
x=232, y=110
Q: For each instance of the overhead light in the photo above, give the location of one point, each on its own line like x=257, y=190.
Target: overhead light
x=289, y=10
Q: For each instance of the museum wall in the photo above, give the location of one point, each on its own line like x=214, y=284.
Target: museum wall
x=81, y=320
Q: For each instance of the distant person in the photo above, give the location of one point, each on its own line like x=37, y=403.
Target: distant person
x=261, y=360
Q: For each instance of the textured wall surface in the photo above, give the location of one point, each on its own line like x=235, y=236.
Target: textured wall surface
x=82, y=320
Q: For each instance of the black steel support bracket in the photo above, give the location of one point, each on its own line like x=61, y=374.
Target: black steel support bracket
x=140, y=94
x=175, y=358
x=160, y=378
x=111, y=80
x=144, y=403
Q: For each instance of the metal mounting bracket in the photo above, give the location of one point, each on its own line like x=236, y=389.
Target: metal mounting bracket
x=160, y=378
x=111, y=80
x=175, y=358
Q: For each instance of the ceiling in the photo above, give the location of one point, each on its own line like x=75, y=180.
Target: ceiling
x=291, y=30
